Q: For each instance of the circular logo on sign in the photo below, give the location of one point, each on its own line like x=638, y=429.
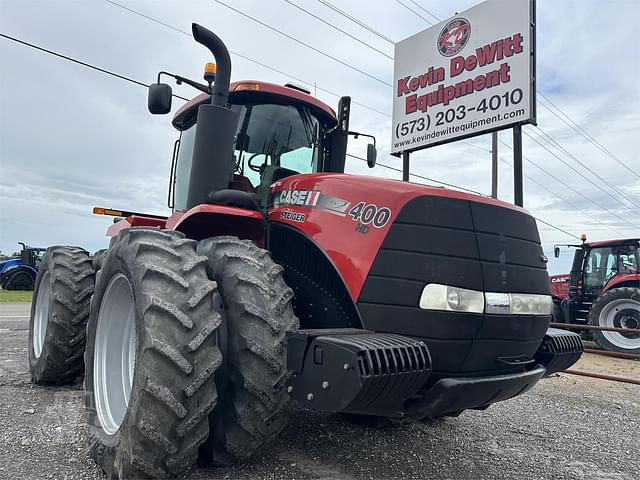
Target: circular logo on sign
x=454, y=36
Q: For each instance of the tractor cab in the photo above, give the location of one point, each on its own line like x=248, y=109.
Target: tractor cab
x=32, y=256
x=598, y=266
x=280, y=131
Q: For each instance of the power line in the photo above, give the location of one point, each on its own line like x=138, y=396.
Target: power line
x=582, y=164
x=572, y=123
x=244, y=57
x=574, y=170
x=555, y=194
x=459, y=188
x=338, y=29
x=304, y=44
x=571, y=204
x=424, y=10
x=389, y=167
x=136, y=82
x=414, y=12
x=80, y=62
x=356, y=21
x=569, y=187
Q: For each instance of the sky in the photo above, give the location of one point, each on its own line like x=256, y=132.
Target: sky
x=72, y=138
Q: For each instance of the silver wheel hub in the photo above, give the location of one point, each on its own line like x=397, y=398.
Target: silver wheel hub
x=41, y=315
x=622, y=313
x=114, y=353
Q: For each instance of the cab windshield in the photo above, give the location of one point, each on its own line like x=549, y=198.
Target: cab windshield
x=268, y=136
x=276, y=135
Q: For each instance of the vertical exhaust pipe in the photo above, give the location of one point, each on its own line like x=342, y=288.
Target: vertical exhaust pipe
x=212, y=161
x=223, y=62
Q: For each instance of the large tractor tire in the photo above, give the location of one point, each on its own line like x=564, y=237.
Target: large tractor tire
x=252, y=401
x=59, y=313
x=619, y=307
x=98, y=258
x=19, y=279
x=151, y=356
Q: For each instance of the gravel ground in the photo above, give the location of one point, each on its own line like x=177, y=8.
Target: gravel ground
x=566, y=428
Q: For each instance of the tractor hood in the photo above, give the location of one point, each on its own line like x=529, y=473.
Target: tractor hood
x=9, y=262
x=389, y=240
x=352, y=218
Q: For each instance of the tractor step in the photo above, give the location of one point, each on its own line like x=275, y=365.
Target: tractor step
x=356, y=371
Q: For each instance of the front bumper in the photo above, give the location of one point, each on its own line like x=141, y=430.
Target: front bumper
x=453, y=395
x=358, y=371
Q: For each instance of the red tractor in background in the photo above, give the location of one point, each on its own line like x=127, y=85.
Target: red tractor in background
x=279, y=277
x=603, y=289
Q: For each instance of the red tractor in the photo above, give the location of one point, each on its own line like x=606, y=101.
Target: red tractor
x=603, y=289
x=279, y=277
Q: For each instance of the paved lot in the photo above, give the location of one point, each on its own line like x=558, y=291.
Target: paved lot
x=566, y=428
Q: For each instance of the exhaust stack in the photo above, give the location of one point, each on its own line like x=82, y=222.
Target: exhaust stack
x=212, y=163
x=223, y=62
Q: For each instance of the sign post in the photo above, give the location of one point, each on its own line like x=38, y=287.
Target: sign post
x=471, y=74
x=494, y=164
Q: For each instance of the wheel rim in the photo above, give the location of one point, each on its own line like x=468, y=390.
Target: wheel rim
x=41, y=315
x=114, y=353
x=622, y=313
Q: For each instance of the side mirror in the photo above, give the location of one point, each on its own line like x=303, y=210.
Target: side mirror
x=372, y=153
x=556, y=252
x=159, y=100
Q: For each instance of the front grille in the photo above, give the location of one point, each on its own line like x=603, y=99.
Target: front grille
x=462, y=243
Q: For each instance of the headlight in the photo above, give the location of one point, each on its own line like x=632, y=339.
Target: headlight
x=452, y=299
x=518, y=304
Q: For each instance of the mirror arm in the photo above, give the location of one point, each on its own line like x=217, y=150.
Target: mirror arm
x=180, y=79
x=358, y=134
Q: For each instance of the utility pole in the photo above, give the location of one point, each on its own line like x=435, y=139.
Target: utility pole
x=494, y=164
x=405, y=166
x=517, y=165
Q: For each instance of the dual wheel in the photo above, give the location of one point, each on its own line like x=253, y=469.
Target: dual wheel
x=185, y=349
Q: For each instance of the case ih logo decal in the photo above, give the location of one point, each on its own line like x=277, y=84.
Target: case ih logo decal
x=560, y=280
x=306, y=198
x=310, y=199
x=363, y=214
x=454, y=36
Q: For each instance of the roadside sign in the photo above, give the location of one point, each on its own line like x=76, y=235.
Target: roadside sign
x=470, y=74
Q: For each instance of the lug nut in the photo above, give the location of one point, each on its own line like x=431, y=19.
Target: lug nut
x=325, y=385
x=309, y=396
x=289, y=389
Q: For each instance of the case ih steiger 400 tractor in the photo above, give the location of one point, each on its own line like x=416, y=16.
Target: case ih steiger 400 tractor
x=603, y=289
x=279, y=277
